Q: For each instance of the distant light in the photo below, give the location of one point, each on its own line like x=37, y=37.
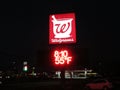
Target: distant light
x=0, y=76
x=25, y=68
x=25, y=63
x=7, y=77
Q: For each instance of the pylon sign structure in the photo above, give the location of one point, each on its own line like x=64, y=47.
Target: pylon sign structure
x=62, y=28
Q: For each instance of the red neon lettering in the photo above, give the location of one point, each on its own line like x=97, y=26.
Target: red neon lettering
x=62, y=57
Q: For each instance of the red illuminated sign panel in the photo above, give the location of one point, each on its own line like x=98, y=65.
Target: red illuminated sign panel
x=62, y=57
x=62, y=28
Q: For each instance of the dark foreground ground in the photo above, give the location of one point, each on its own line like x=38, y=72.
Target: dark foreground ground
x=49, y=84
x=44, y=85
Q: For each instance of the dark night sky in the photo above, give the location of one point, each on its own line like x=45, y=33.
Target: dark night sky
x=24, y=30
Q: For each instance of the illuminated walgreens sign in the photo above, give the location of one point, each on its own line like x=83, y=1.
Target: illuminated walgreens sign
x=62, y=28
x=62, y=57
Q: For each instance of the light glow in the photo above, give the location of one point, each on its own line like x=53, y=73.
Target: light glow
x=25, y=68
